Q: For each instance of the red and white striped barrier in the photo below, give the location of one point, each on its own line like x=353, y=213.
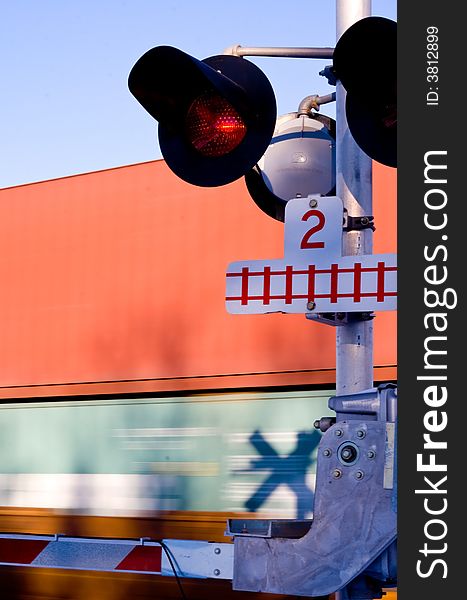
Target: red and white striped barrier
x=187, y=558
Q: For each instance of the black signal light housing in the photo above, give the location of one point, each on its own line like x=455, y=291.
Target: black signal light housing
x=365, y=61
x=216, y=116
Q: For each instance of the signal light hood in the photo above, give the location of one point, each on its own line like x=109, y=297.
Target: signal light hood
x=365, y=61
x=167, y=82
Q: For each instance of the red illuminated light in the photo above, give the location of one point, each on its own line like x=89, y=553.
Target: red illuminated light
x=214, y=126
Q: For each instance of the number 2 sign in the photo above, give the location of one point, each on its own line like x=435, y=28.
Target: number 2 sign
x=313, y=231
x=313, y=272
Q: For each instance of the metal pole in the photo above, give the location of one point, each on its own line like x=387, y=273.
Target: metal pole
x=354, y=341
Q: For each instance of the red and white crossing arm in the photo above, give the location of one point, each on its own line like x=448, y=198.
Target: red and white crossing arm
x=180, y=558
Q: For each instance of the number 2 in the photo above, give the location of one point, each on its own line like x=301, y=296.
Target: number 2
x=321, y=221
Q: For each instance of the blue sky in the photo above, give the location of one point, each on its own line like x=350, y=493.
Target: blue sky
x=65, y=105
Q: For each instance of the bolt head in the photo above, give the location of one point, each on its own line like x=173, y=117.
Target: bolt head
x=371, y=454
x=339, y=433
x=359, y=475
x=311, y=305
x=217, y=572
x=361, y=434
x=217, y=550
x=337, y=473
x=327, y=452
x=313, y=203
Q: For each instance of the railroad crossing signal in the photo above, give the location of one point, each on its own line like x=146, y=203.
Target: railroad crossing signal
x=216, y=116
x=313, y=276
x=365, y=61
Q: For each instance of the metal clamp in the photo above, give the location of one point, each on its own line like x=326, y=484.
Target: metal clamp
x=330, y=74
x=338, y=319
x=358, y=223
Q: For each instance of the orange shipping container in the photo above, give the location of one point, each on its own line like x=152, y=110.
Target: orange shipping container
x=114, y=281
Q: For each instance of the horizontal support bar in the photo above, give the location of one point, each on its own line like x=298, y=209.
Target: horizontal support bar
x=323, y=53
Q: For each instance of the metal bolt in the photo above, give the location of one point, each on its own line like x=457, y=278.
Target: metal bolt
x=217, y=550
x=364, y=220
x=359, y=475
x=313, y=203
x=371, y=454
x=339, y=433
x=311, y=305
x=346, y=453
x=361, y=434
x=327, y=452
x=217, y=572
x=337, y=473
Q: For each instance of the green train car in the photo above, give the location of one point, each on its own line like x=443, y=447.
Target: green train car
x=226, y=452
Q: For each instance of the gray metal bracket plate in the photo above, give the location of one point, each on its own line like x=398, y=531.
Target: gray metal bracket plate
x=353, y=523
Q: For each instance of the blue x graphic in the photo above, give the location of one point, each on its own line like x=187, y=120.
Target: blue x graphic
x=287, y=470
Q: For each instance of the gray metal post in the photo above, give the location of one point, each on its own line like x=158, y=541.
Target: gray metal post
x=354, y=341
